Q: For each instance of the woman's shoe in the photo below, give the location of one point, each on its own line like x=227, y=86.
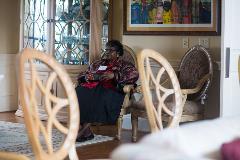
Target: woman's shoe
x=85, y=138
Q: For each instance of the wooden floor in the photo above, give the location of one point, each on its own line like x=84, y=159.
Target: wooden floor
x=94, y=151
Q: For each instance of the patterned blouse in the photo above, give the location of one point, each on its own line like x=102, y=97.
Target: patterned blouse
x=124, y=73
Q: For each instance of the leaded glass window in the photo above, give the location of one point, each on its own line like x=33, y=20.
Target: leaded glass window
x=61, y=27
x=35, y=24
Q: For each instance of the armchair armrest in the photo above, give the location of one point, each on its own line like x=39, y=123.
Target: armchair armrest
x=137, y=89
x=128, y=88
x=198, y=87
x=75, y=84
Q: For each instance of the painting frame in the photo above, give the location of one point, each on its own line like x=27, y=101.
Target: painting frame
x=209, y=29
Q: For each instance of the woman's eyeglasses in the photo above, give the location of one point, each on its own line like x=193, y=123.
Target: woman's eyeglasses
x=109, y=50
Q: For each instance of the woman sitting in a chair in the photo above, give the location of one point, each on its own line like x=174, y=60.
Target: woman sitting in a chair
x=99, y=89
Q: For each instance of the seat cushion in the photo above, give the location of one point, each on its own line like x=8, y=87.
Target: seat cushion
x=138, y=104
x=190, y=107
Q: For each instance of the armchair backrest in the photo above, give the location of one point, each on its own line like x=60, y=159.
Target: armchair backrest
x=159, y=84
x=29, y=90
x=195, y=64
x=129, y=55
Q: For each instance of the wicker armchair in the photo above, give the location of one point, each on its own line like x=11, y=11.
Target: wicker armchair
x=194, y=76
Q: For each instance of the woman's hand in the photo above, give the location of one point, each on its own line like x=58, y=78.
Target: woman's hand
x=107, y=76
x=89, y=77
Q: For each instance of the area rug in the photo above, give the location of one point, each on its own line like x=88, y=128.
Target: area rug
x=13, y=138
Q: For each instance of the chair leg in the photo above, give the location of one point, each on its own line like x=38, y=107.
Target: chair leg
x=72, y=153
x=120, y=120
x=134, y=120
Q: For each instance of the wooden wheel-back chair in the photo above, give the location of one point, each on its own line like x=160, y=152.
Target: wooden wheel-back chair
x=128, y=56
x=36, y=128
x=194, y=76
x=12, y=156
x=159, y=85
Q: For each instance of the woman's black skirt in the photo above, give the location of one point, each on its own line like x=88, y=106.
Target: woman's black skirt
x=99, y=104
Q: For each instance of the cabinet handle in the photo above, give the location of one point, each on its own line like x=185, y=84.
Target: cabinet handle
x=239, y=68
x=227, y=62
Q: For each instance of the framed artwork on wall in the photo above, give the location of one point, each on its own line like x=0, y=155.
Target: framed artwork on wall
x=172, y=17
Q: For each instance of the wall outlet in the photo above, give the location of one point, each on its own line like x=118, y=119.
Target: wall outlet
x=185, y=42
x=204, y=42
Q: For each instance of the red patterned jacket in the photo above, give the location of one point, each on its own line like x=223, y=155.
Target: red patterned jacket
x=124, y=73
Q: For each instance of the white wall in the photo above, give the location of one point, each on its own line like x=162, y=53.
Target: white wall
x=230, y=71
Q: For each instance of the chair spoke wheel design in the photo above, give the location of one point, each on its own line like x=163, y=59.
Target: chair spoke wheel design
x=156, y=92
x=53, y=104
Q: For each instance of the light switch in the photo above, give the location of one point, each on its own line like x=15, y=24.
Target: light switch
x=204, y=42
x=185, y=42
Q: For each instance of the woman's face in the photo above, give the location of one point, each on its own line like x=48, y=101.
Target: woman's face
x=111, y=53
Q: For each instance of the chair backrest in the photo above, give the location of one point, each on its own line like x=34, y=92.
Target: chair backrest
x=159, y=84
x=37, y=129
x=129, y=55
x=195, y=64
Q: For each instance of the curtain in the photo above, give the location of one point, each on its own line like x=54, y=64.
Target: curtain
x=95, y=43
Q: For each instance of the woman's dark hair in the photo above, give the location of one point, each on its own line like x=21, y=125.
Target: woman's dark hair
x=117, y=45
